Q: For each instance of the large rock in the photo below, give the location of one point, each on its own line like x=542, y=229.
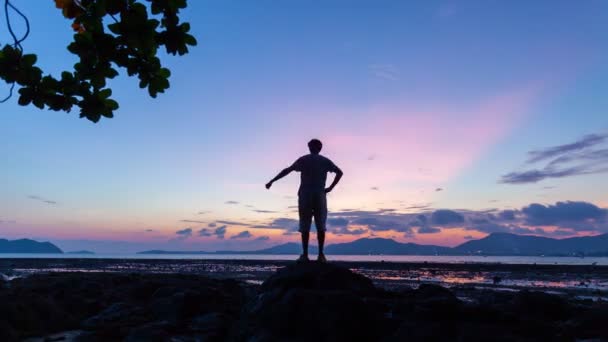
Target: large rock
x=115, y=319
x=318, y=276
x=321, y=302
x=150, y=332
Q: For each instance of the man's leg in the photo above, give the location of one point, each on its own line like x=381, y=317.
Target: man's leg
x=305, y=213
x=320, y=213
x=305, y=237
x=321, y=238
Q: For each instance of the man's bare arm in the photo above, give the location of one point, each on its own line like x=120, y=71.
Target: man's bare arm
x=281, y=174
x=337, y=178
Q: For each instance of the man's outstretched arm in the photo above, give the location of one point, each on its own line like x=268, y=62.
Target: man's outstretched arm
x=281, y=174
x=337, y=178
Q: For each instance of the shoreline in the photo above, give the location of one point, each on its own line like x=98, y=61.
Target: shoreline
x=585, y=281
x=80, y=304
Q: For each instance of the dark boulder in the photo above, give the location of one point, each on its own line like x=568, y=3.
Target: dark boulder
x=7, y=333
x=318, y=276
x=211, y=326
x=314, y=301
x=116, y=320
x=541, y=304
x=150, y=332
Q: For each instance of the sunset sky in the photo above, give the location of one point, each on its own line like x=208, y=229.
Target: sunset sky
x=450, y=120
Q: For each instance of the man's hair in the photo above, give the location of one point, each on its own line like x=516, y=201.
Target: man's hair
x=315, y=145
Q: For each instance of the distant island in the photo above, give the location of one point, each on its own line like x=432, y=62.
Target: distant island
x=28, y=246
x=80, y=252
x=495, y=244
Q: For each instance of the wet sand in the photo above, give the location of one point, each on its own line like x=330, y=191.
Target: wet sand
x=586, y=281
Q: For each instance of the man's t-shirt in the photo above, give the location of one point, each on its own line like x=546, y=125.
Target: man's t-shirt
x=313, y=170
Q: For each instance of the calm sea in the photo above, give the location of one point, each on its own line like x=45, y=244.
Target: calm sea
x=394, y=258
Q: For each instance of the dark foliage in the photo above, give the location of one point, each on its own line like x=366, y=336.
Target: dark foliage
x=109, y=35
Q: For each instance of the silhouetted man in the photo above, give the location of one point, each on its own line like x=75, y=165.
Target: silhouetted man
x=312, y=200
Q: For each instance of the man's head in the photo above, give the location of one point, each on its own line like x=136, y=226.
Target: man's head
x=315, y=146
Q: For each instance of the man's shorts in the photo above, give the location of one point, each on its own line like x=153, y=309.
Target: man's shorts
x=312, y=204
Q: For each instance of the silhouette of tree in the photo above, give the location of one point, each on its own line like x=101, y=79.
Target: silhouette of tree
x=109, y=35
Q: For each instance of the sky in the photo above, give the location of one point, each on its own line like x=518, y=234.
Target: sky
x=451, y=120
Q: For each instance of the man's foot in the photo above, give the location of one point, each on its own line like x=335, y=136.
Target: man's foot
x=321, y=258
x=302, y=259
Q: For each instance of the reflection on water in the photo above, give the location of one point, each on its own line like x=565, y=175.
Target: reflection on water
x=413, y=277
x=540, y=260
x=588, y=281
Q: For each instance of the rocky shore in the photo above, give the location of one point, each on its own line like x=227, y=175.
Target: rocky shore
x=296, y=303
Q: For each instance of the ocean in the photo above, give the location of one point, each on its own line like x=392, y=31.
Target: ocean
x=511, y=260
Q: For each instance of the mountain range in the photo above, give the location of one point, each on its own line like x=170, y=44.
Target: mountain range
x=27, y=246
x=493, y=244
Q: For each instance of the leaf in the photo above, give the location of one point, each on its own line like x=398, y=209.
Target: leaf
x=29, y=59
x=164, y=72
x=190, y=40
x=102, y=46
x=105, y=93
x=111, y=104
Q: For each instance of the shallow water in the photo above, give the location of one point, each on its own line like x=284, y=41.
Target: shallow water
x=585, y=280
x=541, y=260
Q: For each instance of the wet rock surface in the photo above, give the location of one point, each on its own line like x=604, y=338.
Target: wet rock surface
x=322, y=302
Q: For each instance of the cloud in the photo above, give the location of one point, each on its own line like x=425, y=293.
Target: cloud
x=184, y=233
x=245, y=234
x=428, y=230
x=40, y=199
x=555, y=151
x=438, y=189
x=575, y=215
x=419, y=206
x=150, y=230
x=558, y=219
x=339, y=226
x=231, y=202
x=570, y=217
x=375, y=188
x=348, y=231
x=493, y=227
x=337, y=222
x=220, y=232
x=419, y=221
x=446, y=217
x=204, y=212
x=380, y=224
x=262, y=238
x=581, y=157
x=284, y=223
x=534, y=176
x=233, y=223
x=385, y=71
x=422, y=222
x=205, y=232
x=507, y=215
x=264, y=211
